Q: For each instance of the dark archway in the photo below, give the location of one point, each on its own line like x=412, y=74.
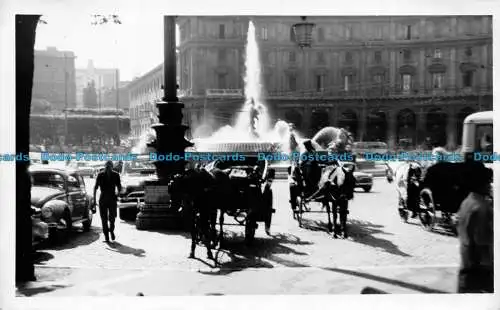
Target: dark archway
x=295, y=117
x=436, y=127
x=462, y=114
x=349, y=121
x=407, y=128
x=319, y=120
x=376, y=126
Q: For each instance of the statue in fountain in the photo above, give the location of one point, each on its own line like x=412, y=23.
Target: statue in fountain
x=254, y=118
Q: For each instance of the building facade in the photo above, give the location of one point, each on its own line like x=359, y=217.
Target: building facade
x=54, y=78
x=393, y=79
x=143, y=92
x=104, y=79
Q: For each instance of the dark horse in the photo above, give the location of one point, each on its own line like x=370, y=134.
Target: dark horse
x=203, y=193
x=335, y=189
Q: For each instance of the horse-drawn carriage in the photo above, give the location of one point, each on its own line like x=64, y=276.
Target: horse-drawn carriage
x=237, y=187
x=435, y=193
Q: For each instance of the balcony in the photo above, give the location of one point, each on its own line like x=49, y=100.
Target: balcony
x=224, y=93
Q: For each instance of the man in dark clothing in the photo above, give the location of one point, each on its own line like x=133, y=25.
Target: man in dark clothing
x=107, y=181
x=475, y=232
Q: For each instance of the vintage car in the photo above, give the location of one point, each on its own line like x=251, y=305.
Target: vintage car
x=83, y=168
x=61, y=196
x=133, y=175
x=361, y=148
x=363, y=180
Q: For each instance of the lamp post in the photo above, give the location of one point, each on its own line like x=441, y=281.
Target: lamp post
x=117, y=141
x=303, y=32
x=170, y=139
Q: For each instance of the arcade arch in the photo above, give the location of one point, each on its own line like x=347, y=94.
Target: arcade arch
x=376, y=126
x=349, y=120
x=462, y=114
x=319, y=120
x=406, y=128
x=436, y=120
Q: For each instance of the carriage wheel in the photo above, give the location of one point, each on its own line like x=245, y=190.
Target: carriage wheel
x=427, y=212
x=403, y=212
x=250, y=227
x=300, y=206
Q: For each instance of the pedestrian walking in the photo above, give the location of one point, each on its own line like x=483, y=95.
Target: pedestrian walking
x=107, y=181
x=475, y=232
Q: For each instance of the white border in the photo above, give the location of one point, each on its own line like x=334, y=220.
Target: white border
x=200, y=7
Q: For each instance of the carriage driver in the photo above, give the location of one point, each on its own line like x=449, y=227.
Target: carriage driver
x=309, y=168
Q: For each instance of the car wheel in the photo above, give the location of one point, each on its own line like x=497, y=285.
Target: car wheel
x=88, y=223
x=367, y=188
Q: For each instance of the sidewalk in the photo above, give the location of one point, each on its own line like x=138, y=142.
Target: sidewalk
x=53, y=281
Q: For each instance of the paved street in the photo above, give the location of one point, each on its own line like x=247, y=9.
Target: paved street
x=381, y=252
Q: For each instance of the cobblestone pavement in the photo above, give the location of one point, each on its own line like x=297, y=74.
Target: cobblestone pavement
x=378, y=239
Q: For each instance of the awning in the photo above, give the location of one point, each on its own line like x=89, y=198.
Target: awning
x=377, y=70
x=407, y=69
x=348, y=71
x=468, y=66
x=437, y=68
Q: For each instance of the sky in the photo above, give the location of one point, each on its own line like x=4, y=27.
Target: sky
x=135, y=46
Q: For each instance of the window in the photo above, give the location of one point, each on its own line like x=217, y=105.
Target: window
x=468, y=52
x=321, y=58
x=437, y=80
x=437, y=53
x=292, y=83
x=408, y=32
x=292, y=34
x=406, y=55
x=291, y=56
x=347, y=82
x=379, y=34
x=348, y=57
x=73, y=184
x=348, y=32
x=467, y=78
x=378, y=79
x=222, y=31
x=221, y=80
x=321, y=35
x=406, y=82
x=265, y=57
x=264, y=33
x=319, y=82
x=378, y=57
x=222, y=55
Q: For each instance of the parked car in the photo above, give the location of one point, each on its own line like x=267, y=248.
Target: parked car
x=370, y=147
x=363, y=180
x=133, y=175
x=61, y=196
x=83, y=168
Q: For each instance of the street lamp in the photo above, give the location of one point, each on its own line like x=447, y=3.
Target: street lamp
x=303, y=32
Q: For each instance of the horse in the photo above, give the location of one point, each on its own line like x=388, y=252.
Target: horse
x=335, y=189
x=204, y=193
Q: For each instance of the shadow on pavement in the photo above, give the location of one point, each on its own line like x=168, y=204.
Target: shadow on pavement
x=411, y=286
x=47, y=280
x=123, y=249
x=77, y=237
x=363, y=232
x=28, y=289
x=315, y=225
x=235, y=255
x=437, y=230
x=40, y=257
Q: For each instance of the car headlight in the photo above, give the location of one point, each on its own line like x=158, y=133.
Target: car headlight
x=47, y=212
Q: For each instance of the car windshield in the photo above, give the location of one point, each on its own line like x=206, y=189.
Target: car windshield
x=484, y=139
x=250, y=161
x=50, y=179
x=139, y=167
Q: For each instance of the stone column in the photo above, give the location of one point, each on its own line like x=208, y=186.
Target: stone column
x=451, y=129
x=306, y=120
x=392, y=71
x=484, y=71
x=333, y=115
x=421, y=126
x=453, y=70
x=392, y=122
x=362, y=123
x=422, y=66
